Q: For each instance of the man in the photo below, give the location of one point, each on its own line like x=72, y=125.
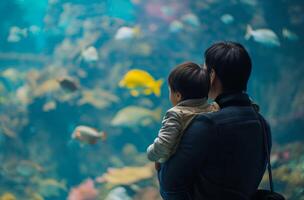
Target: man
x=221, y=155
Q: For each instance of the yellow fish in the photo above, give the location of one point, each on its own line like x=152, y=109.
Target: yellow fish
x=7, y=196
x=141, y=82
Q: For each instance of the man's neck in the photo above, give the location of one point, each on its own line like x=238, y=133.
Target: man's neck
x=233, y=98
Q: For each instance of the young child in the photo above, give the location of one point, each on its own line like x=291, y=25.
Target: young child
x=188, y=88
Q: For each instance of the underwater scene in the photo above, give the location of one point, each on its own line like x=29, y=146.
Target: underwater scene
x=75, y=125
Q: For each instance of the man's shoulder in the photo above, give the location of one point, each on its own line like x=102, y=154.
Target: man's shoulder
x=227, y=114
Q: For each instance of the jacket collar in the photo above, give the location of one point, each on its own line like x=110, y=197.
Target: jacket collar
x=193, y=102
x=233, y=99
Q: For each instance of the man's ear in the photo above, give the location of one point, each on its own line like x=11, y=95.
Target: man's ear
x=212, y=76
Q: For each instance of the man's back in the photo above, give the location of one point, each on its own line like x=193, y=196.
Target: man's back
x=221, y=155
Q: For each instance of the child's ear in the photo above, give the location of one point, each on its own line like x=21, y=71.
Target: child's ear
x=178, y=96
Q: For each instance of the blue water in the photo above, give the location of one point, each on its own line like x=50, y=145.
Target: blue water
x=49, y=40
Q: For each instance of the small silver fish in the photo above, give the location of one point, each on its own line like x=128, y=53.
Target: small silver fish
x=176, y=26
x=289, y=35
x=90, y=54
x=88, y=135
x=191, y=19
x=227, y=19
x=34, y=29
x=118, y=193
x=17, y=33
x=127, y=33
x=264, y=36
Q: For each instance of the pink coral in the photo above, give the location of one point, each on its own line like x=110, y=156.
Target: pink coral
x=85, y=191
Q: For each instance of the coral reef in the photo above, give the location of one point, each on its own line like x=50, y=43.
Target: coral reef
x=126, y=175
x=94, y=44
x=85, y=191
x=7, y=196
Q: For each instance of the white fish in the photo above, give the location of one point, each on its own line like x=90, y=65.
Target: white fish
x=126, y=33
x=88, y=135
x=13, y=38
x=118, y=193
x=289, y=35
x=176, y=26
x=34, y=29
x=167, y=10
x=227, y=19
x=16, y=34
x=90, y=54
x=191, y=19
x=51, y=105
x=11, y=74
x=263, y=36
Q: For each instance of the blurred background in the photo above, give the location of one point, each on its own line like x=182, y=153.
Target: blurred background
x=66, y=63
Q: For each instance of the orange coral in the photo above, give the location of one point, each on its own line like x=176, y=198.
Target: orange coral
x=85, y=191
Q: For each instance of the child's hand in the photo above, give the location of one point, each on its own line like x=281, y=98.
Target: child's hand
x=157, y=166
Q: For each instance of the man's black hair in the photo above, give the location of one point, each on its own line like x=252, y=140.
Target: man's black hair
x=231, y=63
x=190, y=80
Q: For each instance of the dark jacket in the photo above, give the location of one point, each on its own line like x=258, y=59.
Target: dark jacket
x=221, y=155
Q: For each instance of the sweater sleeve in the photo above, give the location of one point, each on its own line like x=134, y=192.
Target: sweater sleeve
x=167, y=139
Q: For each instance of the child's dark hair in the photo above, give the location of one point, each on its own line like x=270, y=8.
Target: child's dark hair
x=190, y=80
